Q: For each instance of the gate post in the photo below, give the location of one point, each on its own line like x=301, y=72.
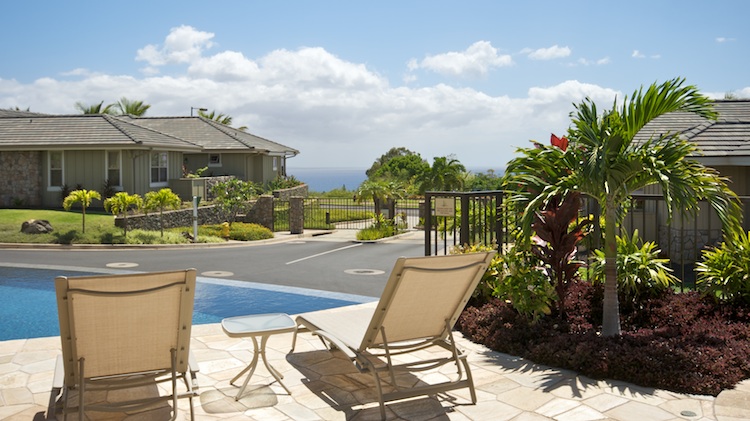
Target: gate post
x=296, y=215
x=427, y=224
x=464, y=234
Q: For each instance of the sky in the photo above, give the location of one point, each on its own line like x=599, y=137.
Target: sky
x=345, y=81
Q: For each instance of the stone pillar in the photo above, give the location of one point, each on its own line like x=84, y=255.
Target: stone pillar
x=264, y=211
x=296, y=215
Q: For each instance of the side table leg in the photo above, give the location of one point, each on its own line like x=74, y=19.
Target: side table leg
x=250, y=367
x=278, y=376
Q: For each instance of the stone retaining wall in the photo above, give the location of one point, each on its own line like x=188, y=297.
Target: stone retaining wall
x=286, y=194
x=22, y=179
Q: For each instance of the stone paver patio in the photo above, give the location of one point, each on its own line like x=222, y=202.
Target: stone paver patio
x=326, y=386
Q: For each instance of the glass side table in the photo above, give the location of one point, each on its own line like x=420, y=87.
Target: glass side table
x=263, y=325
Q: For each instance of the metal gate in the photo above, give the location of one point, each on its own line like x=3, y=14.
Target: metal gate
x=463, y=219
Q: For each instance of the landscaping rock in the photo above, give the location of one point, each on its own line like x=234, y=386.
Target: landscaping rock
x=36, y=226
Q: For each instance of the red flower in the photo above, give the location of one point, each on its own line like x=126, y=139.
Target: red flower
x=560, y=142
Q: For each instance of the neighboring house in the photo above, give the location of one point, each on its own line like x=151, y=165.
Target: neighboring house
x=724, y=145
x=43, y=155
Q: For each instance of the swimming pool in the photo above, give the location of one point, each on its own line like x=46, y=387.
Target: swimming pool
x=28, y=308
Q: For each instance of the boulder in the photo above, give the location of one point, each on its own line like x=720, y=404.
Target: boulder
x=36, y=226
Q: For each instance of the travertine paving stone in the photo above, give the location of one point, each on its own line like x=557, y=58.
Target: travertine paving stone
x=326, y=386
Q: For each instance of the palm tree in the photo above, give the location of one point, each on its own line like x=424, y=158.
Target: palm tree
x=94, y=109
x=127, y=107
x=383, y=194
x=84, y=197
x=121, y=203
x=220, y=118
x=604, y=163
x=163, y=199
x=446, y=173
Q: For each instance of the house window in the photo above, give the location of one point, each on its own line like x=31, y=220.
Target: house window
x=114, y=165
x=56, y=175
x=214, y=160
x=275, y=163
x=159, y=168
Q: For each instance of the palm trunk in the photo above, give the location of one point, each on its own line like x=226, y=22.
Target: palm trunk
x=83, y=219
x=611, y=316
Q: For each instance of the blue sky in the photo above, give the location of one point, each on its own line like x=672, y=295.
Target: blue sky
x=344, y=81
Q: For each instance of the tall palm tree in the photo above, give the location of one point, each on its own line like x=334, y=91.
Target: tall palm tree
x=604, y=163
x=220, y=118
x=131, y=107
x=162, y=199
x=446, y=173
x=84, y=197
x=99, y=108
x=121, y=203
x=383, y=194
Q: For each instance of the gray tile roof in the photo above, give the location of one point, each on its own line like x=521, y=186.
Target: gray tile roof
x=212, y=136
x=728, y=136
x=22, y=130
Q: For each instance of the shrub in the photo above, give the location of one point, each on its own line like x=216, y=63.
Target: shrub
x=640, y=271
x=486, y=288
x=238, y=231
x=523, y=281
x=681, y=342
x=724, y=272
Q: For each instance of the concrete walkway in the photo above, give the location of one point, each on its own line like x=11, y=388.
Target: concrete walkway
x=326, y=386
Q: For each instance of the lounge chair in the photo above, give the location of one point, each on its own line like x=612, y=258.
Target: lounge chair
x=125, y=331
x=420, y=304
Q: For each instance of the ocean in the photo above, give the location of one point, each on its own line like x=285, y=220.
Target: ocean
x=327, y=179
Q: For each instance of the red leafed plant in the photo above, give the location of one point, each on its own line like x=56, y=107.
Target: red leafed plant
x=556, y=241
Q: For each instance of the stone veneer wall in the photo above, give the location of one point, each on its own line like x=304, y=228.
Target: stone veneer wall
x=286, y=194
x=22, y=178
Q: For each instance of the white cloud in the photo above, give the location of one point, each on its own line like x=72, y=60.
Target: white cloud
x=184, y=44
x=637, y=54
x=721, y=40
x=477, y=60
x=549, y=53
x=336, y=112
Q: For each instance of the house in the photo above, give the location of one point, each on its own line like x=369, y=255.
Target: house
x=723, y=144
x=42, y=156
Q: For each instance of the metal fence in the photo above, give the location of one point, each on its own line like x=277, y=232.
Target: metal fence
x=344, y=213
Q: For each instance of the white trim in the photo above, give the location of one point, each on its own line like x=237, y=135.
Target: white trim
x=49, y=171
x=119, y=167
x=214, y=164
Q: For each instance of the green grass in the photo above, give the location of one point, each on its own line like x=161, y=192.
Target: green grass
x=100, y=229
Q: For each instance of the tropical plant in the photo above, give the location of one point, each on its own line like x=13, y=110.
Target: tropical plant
x=640, y=270
x=556, y=241
x=398, y=164
x=724, y=271
x=445, y=174
x=383, y=194
x=99, y=108
x=606, y=164
x=162, y=199
x=120, y=204
x=84, y=197
x=220, y=118
x=232, y=195
x=488, y=284
x=522, y=280
x=130, y=107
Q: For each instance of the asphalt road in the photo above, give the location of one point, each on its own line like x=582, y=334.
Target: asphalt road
x=327, y=262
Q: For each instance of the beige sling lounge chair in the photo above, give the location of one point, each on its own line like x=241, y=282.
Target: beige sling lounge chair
x=419, y=306
x=125, y=331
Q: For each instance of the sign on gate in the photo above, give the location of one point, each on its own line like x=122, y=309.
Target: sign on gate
x=445, y=206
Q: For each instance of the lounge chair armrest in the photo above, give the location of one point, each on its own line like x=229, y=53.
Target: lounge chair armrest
x=58, y=381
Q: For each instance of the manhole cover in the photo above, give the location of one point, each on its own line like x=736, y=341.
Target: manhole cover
x=364, y=272
x=122, y=265
x=217, y=273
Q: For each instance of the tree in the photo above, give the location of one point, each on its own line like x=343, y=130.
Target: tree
x=84, y=197
x=606, y=164
x=120, y=204
x=231, y=196
x=220, y=118
x=383, y=194
x=127, y=107
x=446, y=173
x=162, y=199
x=95, y=109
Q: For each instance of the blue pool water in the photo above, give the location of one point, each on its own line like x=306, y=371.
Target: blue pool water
x=28, y=308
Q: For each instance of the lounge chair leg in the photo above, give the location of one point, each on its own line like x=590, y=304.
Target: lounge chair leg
x=81, y=389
